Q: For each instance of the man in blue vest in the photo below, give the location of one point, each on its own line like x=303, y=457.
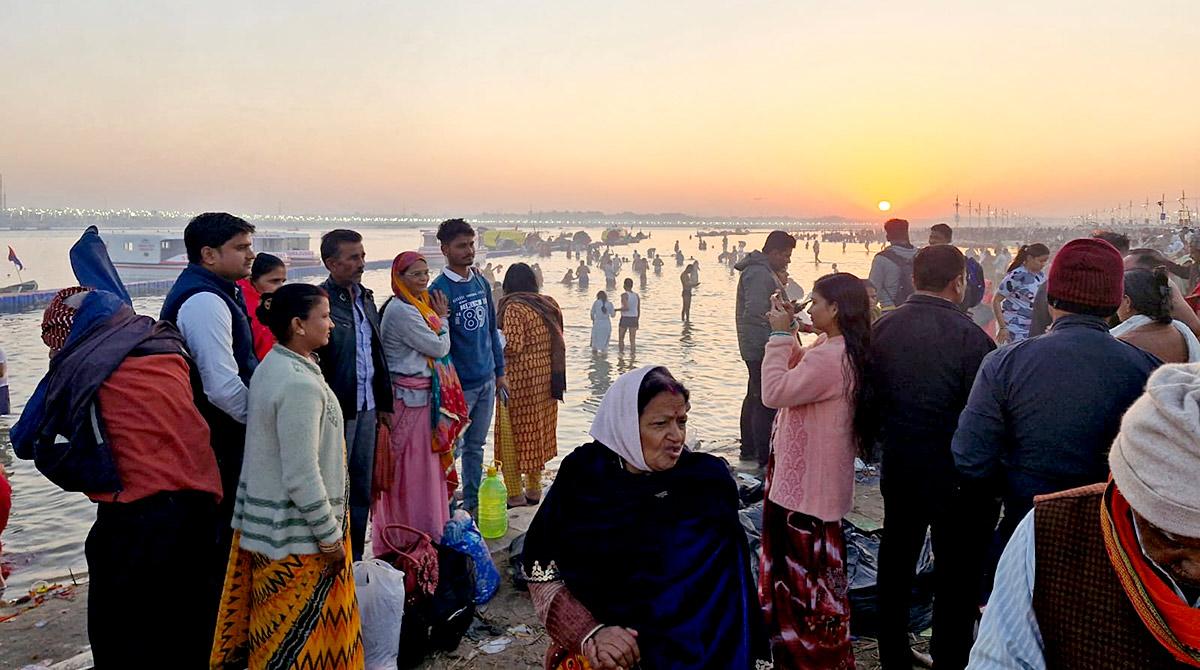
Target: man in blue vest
x=207, y=307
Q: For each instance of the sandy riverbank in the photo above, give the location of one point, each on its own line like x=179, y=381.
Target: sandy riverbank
x=56, y=630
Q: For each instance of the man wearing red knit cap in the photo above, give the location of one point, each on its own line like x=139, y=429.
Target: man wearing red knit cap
x=1044, y=411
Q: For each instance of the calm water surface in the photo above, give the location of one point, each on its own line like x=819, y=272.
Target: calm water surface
x=44, y=539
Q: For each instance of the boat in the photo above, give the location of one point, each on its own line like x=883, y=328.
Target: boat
x=23, y=287
x=431, y=249
x=614, y=237
x=721, y=233
x=152, y=256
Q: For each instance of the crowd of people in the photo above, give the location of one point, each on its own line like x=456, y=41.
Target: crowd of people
x=983, y=448
x=247, y=436
x=251, y=435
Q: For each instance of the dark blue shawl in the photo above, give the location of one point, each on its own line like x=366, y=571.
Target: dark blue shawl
x=662, y=553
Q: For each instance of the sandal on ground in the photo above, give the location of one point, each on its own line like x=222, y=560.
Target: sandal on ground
x=533, y=500
x=517, y=501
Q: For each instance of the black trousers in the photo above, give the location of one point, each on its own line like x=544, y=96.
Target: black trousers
x=152, y=597
x=756, y=419
x=910, y=508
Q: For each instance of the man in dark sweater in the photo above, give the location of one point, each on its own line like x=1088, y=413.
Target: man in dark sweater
x=925, y=354
x=1043, y=412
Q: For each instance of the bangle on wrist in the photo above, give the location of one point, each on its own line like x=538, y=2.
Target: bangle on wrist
x=785, y=333
x=329, y=547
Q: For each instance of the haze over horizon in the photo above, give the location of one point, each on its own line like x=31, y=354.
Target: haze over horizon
x=708, y=107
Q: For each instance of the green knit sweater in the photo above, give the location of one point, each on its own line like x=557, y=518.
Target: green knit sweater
x=293, y=486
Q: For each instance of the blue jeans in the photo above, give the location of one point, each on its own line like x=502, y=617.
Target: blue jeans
x=481, y=403
x=360, y=456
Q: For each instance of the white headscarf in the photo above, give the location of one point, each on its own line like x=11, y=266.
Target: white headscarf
x=616, y=423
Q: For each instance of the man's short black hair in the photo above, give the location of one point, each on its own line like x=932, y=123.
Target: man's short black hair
x=212, y=229
x=936, y=266
x=778, y=240
x=452, y=229
x=943, y=230
x=1121, y=242
x=333, y=240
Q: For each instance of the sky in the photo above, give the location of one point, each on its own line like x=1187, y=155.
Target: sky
x=803, y=108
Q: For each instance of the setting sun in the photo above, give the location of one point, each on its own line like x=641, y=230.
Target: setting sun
x=884, y=205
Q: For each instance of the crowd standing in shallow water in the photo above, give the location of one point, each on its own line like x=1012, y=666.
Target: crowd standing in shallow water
x=253, y=446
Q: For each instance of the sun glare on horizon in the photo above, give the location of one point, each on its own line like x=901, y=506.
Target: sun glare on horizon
x=884, y=205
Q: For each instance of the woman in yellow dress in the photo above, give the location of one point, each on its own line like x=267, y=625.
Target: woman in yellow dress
x=535, y=359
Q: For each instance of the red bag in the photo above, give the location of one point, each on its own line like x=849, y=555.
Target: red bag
x=417, y=558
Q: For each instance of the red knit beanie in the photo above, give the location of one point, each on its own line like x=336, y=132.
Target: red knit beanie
x=1087, y=274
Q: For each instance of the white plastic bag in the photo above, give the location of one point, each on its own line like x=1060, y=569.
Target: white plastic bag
x=380, y=591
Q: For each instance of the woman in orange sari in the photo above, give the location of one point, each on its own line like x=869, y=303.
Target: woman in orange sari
x=535, y=356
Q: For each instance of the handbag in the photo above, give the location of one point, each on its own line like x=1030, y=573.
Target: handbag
x=418, y=559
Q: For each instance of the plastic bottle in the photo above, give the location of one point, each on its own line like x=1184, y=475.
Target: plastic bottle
x=493, y=505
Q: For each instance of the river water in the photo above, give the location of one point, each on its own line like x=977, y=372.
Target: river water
x=44, y=539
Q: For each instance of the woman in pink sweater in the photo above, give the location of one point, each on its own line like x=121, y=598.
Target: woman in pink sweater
x=810, y=478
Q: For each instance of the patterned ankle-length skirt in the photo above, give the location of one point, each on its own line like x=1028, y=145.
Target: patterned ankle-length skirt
x=287, y=614
x=803, y=590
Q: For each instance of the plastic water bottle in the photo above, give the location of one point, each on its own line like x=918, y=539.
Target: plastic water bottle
x=493, y=505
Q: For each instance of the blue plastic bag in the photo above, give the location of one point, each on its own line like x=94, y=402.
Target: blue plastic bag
x=463, y=536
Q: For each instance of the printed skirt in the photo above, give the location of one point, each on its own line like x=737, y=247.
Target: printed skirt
x=286, y=613
x=803, y=590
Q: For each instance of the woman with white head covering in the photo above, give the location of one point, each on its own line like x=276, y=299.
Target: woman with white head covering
x=636, y=557
x=1146, y=318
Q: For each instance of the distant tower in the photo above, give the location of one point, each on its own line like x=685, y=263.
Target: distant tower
x=970, y=218
x=989, y=216
x=956, y=211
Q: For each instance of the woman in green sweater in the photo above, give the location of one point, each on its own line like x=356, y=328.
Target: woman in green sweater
x=289, y=597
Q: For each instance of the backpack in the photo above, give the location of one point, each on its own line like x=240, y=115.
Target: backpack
x=906, y=269
x=439, y=622
x=973, y=293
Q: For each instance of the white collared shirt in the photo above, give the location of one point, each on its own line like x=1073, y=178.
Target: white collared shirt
x=455, y=277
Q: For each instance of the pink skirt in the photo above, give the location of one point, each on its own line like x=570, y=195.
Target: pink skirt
x=418, y=494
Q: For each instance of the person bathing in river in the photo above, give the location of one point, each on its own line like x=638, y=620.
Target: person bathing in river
x=601, y=314
x=690, y=278
x=630, y=309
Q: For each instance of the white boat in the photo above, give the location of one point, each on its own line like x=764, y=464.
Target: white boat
x=153, y=256
x=431, y=249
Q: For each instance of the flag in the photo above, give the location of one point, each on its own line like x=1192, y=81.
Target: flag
x=12, y=258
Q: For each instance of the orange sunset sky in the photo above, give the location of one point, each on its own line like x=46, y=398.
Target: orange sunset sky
x=715, y=108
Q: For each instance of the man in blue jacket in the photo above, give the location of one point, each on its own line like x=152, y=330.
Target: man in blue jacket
x=475, y=346
x=1043, y=412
